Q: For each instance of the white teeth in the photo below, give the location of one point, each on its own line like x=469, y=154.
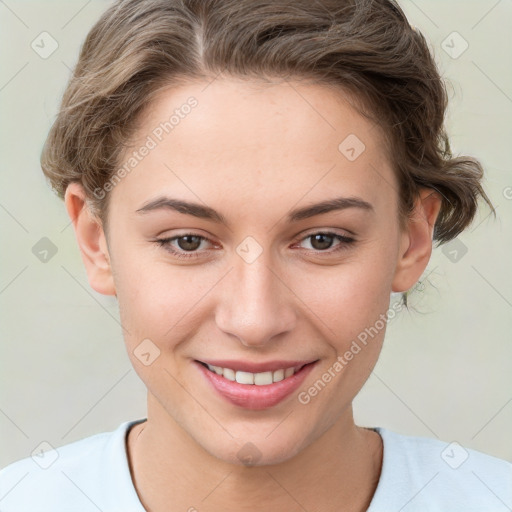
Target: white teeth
x=244, y=377
x=258, y=379
x=288, y=372
x=278, y=375
x=228, y=373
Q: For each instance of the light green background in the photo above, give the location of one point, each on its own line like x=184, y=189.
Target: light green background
x=444, y=372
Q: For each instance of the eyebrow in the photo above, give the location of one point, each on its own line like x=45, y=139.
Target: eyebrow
x=205, y=212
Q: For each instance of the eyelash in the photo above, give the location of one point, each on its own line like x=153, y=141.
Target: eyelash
x=344, y=245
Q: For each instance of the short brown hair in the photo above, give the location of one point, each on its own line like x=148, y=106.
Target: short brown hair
x=366, y=48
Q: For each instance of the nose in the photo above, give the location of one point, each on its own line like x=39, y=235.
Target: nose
x=256, y=303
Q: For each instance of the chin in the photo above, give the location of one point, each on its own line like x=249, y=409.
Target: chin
x=257, y=451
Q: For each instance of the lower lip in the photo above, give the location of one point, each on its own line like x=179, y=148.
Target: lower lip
x=251, y=396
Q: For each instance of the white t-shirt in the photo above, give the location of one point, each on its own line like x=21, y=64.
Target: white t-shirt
x=418, y=474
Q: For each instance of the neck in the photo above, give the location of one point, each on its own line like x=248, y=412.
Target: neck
x=339, y=470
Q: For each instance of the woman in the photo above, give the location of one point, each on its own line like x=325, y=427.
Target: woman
x=252, y=179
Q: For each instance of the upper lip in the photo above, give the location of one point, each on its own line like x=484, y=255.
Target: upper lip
x=252, y=367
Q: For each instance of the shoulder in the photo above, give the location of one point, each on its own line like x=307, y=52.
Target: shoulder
x=425, y=474
x=78, y=476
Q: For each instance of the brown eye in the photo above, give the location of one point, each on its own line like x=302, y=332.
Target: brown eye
x=184, y=246
x=189, y=242
x=321, y=242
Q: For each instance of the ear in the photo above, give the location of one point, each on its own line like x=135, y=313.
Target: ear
x=416, y=243
x=91, y=240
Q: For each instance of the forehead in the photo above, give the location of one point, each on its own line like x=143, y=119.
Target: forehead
x=247, y=140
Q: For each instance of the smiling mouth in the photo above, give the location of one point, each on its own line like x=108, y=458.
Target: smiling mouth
x=255, y=379
x=269, y=385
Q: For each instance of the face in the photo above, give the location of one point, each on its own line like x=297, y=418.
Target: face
x=249, y=276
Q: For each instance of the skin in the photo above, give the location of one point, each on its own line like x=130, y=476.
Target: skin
x=253, y=153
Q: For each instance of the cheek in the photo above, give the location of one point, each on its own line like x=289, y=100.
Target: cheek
x=161, y=301
x=351, y=305
x=350, y=297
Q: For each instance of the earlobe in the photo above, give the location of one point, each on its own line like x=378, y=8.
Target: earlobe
x=91, y=240
x=416, y=243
